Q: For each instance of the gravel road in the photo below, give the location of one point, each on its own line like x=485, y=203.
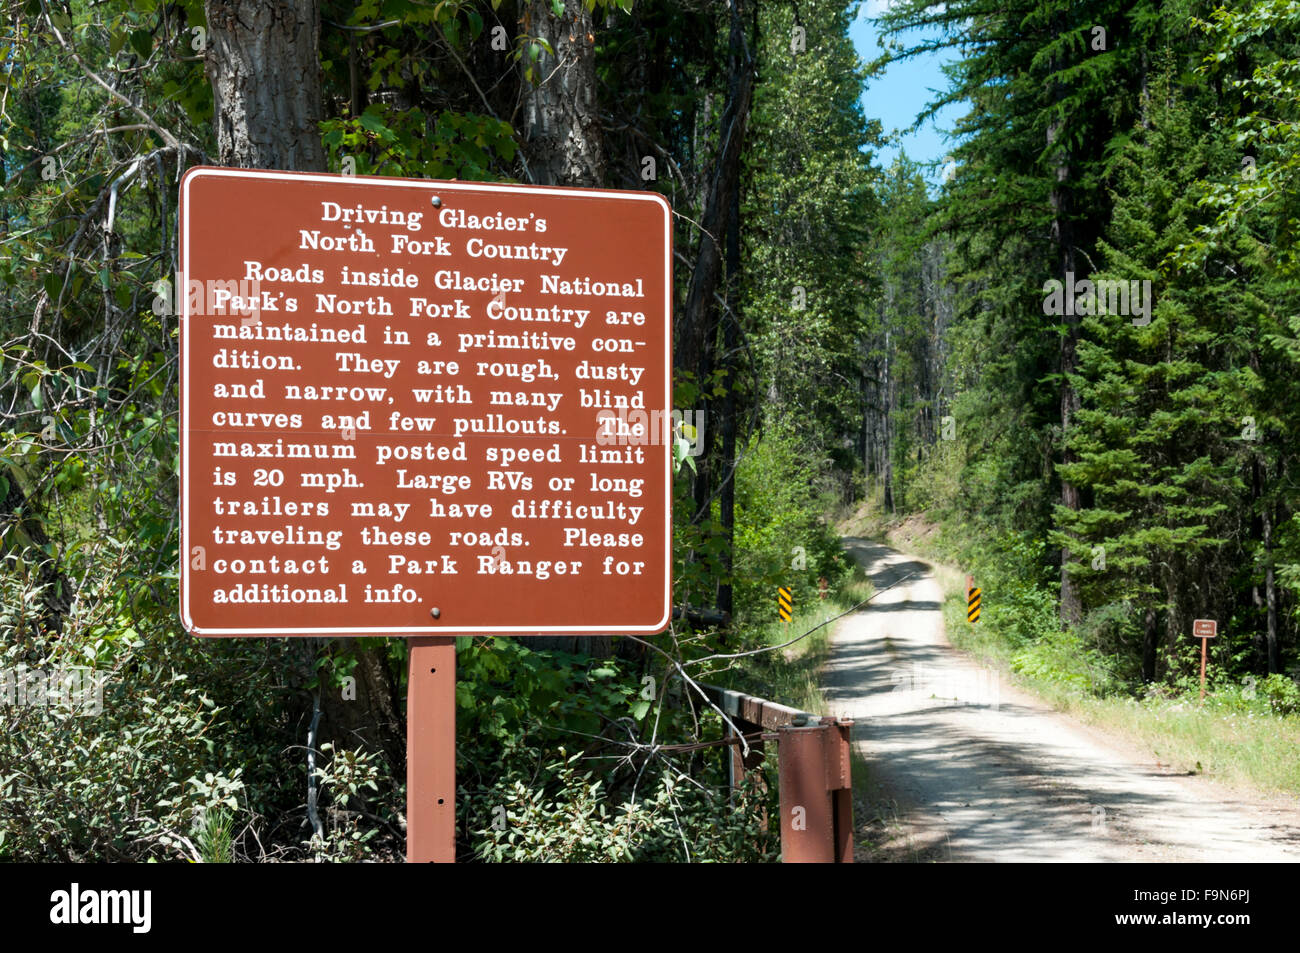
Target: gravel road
x=963, y=767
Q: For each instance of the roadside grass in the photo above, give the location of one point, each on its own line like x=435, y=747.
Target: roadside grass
x=790, y=675
x=1241, y=749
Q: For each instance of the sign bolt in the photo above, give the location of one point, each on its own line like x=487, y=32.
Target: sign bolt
x=437, y=202
x=435, y=612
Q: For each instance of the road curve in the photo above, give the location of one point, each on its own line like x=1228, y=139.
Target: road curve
x=975, y=770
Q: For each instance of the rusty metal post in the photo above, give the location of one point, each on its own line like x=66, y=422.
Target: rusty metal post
x=815, y=793
x=839, y=778
x=431, y=750
x=814, y=768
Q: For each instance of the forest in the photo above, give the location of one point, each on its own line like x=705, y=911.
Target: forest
x=1073, y=357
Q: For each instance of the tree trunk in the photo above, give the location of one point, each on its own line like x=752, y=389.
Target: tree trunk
x=1270, y=596
x=731, y=340
x=564, y=147
x=263, y=64
x=693, y=322
x=561, y=122
x=887, y=434
x=1150, y=644
x=1062, y=236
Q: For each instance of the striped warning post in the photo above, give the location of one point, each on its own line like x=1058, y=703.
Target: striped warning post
x=784, y=600
x=973, y=605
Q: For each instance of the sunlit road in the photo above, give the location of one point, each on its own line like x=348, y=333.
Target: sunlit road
x=982, y=772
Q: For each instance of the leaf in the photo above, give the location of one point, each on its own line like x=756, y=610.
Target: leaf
x=142, y=43
x=370, y=122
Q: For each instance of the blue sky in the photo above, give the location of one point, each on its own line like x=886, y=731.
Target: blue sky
x=902, y=91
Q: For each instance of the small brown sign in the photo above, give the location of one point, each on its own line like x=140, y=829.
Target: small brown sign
x=1205, y=629
x=412, y=407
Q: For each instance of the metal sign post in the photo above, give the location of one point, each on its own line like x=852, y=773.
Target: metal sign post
x=431, y=750
x=1204, y=629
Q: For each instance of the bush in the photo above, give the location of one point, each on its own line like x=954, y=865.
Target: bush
x=186, y=730
x=781, y=535
x=1064, y=658
x=678, y=821
x=517, y=707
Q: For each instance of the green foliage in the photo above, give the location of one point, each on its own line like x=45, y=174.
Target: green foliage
x=1154, y=458
x=215, y=836
x=385, y=140
x=198, y=752
x=676, y=822
x=608, y=800
x=1064, y=657
x=781, y=535
x=807, y=209
x=184, y=731
x=352, y=780
x=509, y=695
x=1156, y=439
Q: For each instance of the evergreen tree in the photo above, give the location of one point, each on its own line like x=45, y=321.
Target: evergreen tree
x=1163, y=387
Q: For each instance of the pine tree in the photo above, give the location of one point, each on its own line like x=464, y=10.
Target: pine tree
x=1163, y=386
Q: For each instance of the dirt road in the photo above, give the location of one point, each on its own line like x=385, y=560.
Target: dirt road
x=963, y=767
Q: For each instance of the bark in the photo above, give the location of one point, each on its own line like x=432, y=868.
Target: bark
x=561, y=122
x=564, y=147
x=697, y=320
x=1062, y=236
x=694, y=320
x=1177, y=621
x=262, y=62
x=886, y=447
x=731, y=340
x=1259, y=639
x=1274, y=647
x=1150, y=644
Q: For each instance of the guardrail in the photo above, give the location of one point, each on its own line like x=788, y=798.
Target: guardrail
x=815, y=786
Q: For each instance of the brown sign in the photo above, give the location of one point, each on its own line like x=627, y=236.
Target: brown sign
x=415, y=407
x=1205, y=629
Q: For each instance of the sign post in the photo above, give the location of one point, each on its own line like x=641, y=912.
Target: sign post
x=1204, y=629
x=431, y=749
x=423, y=408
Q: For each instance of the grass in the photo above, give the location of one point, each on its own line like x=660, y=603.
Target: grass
x=790, y=675
x=1259, y=753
